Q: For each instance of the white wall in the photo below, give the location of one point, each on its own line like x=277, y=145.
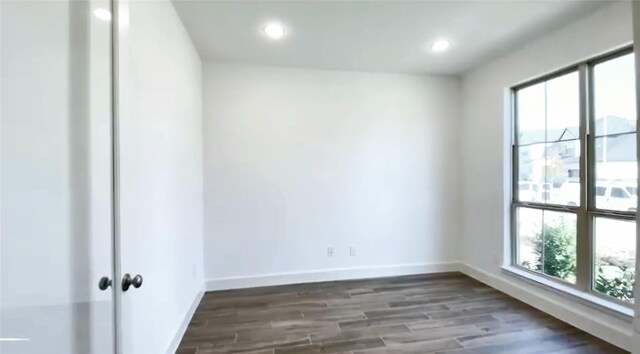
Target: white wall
x=297, y=160
x=55, y=189
x=485, y=158
x=161, y=174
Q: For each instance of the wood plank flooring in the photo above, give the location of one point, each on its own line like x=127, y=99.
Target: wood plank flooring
x=440, y=313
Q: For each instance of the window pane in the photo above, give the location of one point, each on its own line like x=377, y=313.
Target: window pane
x=531, y=114
x=616, y=172
x=563, y=108
x=615, y=248
x=549, y=111
x=615, y=130
x=614, y=96
x=547, y=242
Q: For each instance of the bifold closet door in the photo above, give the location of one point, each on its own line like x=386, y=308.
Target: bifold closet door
x=55, y=178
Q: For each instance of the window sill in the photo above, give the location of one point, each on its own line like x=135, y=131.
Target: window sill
x=609, y=307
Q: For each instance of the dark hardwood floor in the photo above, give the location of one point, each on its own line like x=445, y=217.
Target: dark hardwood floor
x=443, y=313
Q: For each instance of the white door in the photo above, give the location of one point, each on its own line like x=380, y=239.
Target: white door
x=55, y=177
x=160, y=173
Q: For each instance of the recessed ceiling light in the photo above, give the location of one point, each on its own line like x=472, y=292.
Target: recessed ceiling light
x=102, y=14
x=274, y=30
x=440, y=45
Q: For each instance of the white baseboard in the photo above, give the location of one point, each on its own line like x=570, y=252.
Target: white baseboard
x=329, y=275
x=185, y=323
x=587, y=320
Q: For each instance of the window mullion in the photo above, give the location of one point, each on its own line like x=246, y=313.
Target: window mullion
x=583, y=237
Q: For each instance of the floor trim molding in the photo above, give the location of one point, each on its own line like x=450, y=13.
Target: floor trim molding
x=615, y=335
x=329, y=275
x=185, y=323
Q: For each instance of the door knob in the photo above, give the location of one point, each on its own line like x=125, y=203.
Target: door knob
x=127, y=281
x=104, y=283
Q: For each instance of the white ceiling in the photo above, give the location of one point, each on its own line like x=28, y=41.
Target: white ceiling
x=387, y=36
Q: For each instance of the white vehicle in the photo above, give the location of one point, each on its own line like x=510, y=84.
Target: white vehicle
x=632, y=189
x=570, y=193
x=527, y=191
x=610, y=196
x=615, y=197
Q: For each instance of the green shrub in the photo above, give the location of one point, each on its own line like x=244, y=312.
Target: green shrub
x=620, y=286
x=555, y=253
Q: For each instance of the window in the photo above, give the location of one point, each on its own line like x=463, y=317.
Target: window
x=575, y=176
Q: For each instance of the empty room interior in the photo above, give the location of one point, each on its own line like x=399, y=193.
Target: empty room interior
x=355, y=177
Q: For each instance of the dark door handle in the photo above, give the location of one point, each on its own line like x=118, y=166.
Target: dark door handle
x=127, y=281
x=104, y=283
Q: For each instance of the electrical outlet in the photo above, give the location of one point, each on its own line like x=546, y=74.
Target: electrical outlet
x=352, y=251
x=330, y=251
